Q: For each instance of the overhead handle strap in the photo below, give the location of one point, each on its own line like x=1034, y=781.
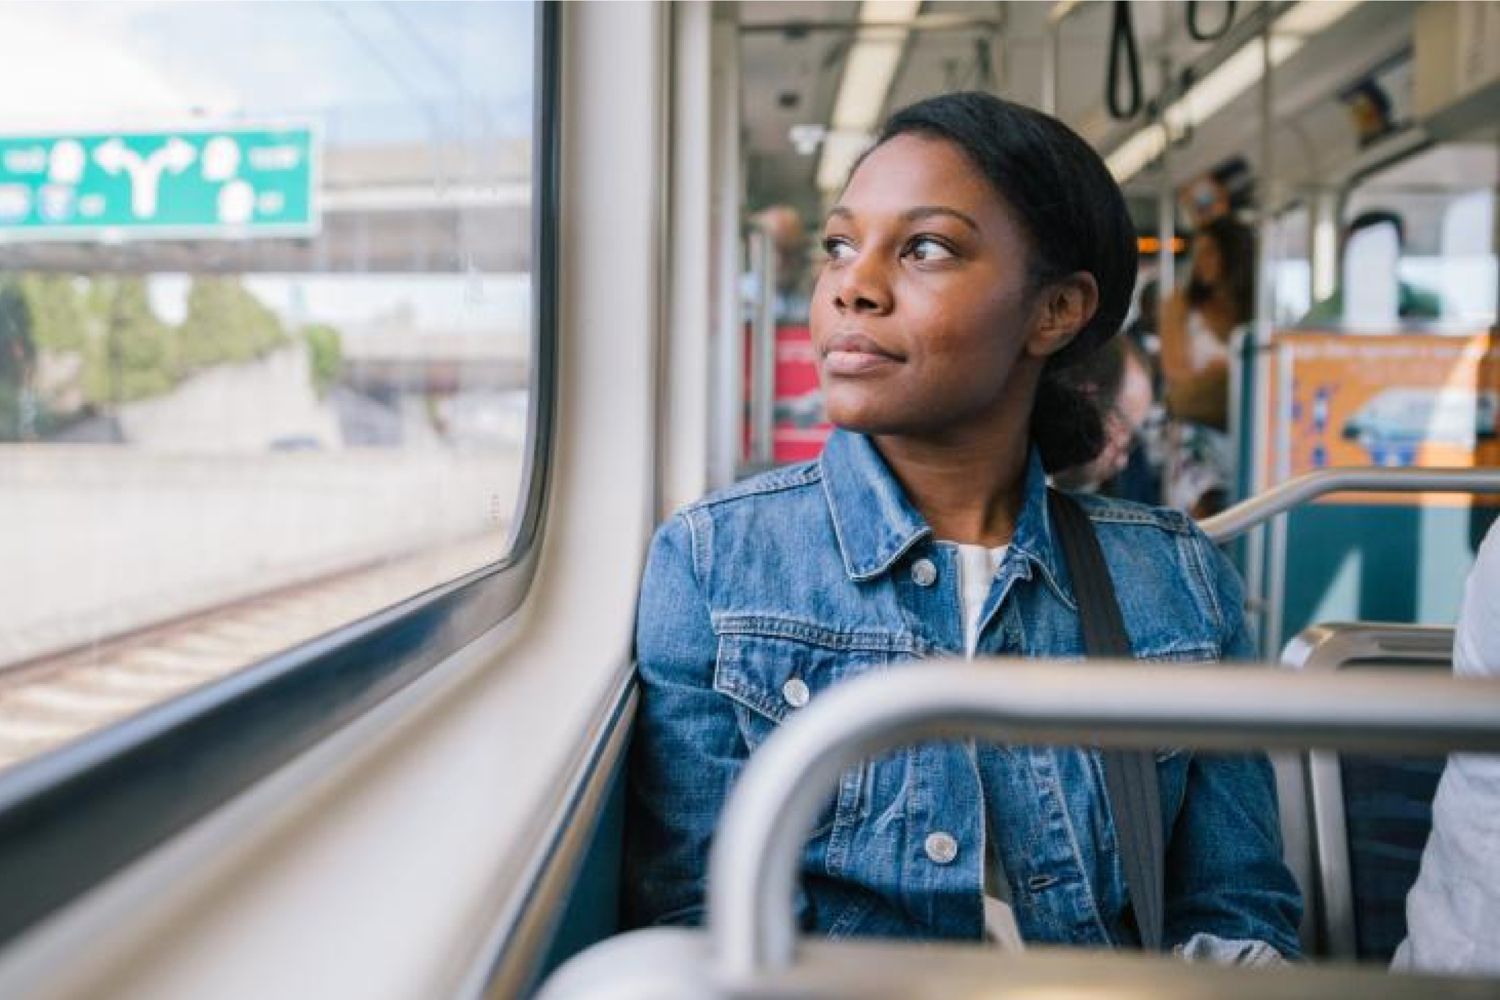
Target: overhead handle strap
x=1197, y=31
x=1122, y=46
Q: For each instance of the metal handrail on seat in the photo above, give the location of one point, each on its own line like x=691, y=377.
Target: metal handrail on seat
x=1283, y=497
x=772, y=808
x=1322, y=649
x=1331, y=645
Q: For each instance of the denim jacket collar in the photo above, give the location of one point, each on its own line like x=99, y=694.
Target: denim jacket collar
x=876, y=524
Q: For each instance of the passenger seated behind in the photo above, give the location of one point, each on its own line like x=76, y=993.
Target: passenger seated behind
x=1411, y=301
x=1453, y=911
x=977, y=251
x=1117, y=380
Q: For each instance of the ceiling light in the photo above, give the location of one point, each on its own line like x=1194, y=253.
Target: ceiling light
x=1229, y=80
x=1136, y=152
x=867, y=80
x=806, y=138
x=1312, y=16
x=1062, y=10
x=841, y=150
x=869, y=71
x=888, y=11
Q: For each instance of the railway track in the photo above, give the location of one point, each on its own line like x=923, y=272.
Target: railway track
x=51, y=701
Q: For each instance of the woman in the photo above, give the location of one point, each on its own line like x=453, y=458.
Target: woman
x=976, y=251
x=1196, y=326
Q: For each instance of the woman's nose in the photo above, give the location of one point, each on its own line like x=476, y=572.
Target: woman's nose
x=861, y=286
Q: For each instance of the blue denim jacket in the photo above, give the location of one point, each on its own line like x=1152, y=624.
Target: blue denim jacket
x=804, y=576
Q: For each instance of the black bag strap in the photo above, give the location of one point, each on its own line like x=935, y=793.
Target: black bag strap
x=1129, y=775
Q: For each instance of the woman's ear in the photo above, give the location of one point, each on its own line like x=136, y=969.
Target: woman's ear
x=1064, y=307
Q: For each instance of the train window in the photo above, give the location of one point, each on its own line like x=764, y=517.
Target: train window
x=266, y=313
x=1291, y=240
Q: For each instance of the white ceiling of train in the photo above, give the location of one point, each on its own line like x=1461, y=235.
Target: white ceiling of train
x=794, y=55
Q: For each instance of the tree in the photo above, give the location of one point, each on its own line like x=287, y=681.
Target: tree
x=225, y=323
x=59, y=319
x=325, y=354
x=133, y=354
x=17, y=359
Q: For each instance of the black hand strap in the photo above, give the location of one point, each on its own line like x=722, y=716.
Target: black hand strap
x=1129, y=775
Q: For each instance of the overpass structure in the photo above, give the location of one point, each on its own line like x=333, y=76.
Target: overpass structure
x=429, y=361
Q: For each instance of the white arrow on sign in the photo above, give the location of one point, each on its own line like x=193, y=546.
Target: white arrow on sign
x=113, y=156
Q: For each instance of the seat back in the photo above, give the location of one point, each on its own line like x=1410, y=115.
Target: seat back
x=1355, y=824
x=750, y=948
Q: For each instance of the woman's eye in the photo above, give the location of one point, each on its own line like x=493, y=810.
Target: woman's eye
x=837, y=248
x=926, y=248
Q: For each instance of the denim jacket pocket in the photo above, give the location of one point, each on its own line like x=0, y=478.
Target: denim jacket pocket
x=779, y=667
x=1172, y=762
x=1184, y=653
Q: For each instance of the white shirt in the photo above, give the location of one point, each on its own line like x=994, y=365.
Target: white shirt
x=976, y=573
x=1453, y=910
x=1204, y=346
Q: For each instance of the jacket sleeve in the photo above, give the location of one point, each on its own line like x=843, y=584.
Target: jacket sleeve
x=1229, y=894
x=686, y=750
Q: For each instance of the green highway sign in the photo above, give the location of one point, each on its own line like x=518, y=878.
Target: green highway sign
x=197, y=182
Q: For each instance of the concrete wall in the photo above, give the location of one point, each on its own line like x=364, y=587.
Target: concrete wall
x=98, y=540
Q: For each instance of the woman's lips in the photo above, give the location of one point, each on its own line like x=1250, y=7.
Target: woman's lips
x=855, y=354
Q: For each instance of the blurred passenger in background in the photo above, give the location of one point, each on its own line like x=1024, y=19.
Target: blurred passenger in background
x=791, y=281
x=1371, y=292
x=1196, y=325
x=1453, y=911
x=1204, y=200
x=1118, y=378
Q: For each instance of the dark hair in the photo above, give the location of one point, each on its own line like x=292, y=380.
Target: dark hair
x=1100, y=375
x=1377, y=217
x=1236, y=244
x=1075, y=219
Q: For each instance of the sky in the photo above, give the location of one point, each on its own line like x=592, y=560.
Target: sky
x=372, y=72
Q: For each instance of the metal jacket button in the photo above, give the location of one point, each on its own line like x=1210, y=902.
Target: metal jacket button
x=795, y=692
x=923, y=573
x=941, y=848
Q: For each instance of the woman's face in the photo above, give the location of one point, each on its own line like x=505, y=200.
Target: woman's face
x=922, y=313
x=1208, y=262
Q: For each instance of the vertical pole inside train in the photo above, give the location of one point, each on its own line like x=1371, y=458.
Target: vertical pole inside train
x=1166, y=214
x=762, y=349
x=728, y=409
x=1051, y=70
x=1265, y=308
x=1495, y=241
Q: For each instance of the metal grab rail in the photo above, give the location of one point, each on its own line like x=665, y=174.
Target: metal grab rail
x=1332, y=644
x=1278, y=499
x=772, y=808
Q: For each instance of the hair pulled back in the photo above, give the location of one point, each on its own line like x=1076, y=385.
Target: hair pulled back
x=1075, y=219
x=1236, y=244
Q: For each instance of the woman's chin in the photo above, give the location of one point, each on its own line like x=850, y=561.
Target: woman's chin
x=859, y=415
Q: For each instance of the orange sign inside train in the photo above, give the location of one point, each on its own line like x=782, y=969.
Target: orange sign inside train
x=1395, y=401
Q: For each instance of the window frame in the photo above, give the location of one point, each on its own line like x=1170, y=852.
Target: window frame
x=74, y=816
